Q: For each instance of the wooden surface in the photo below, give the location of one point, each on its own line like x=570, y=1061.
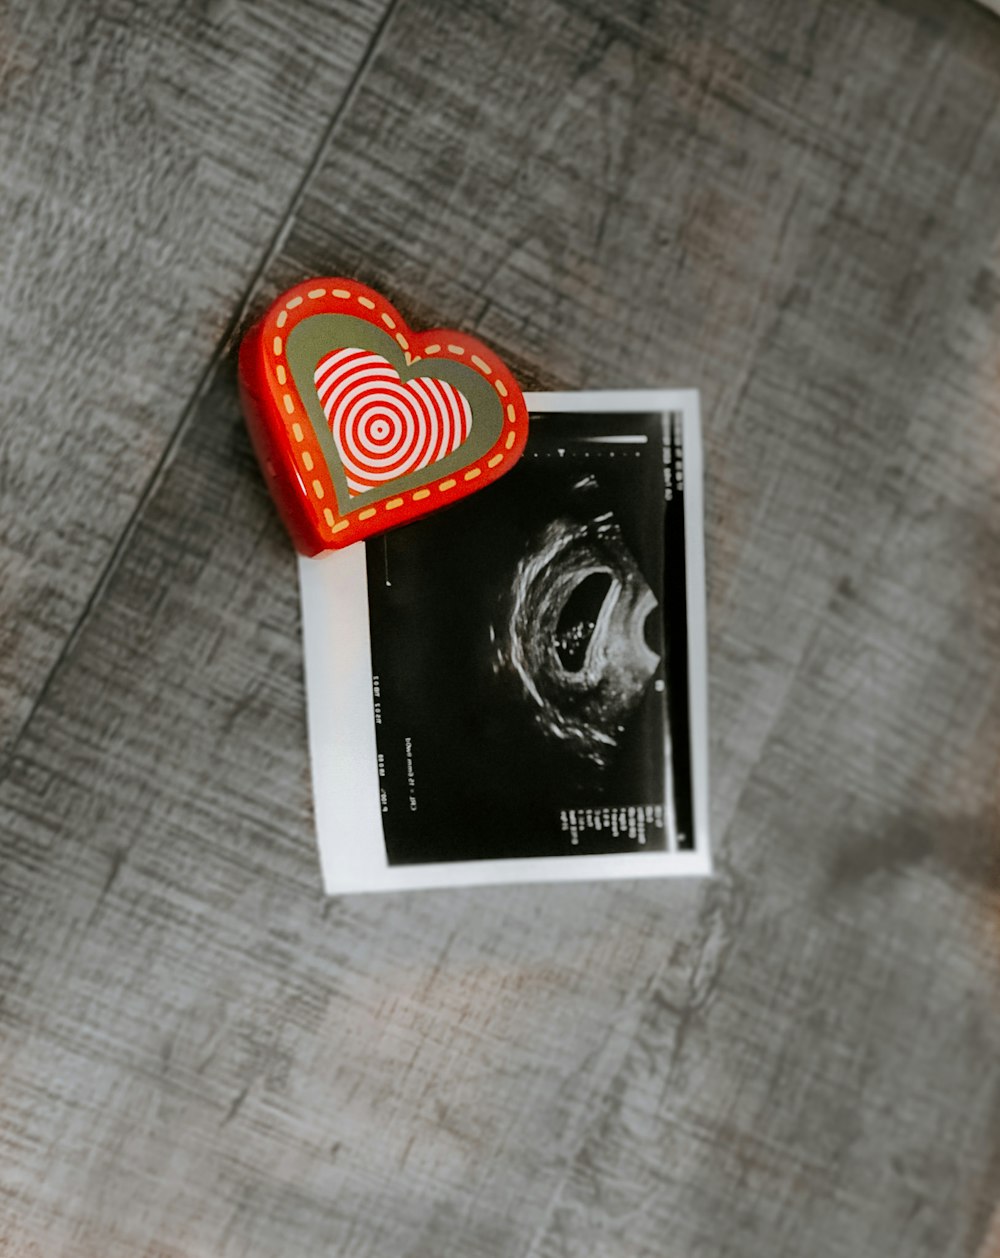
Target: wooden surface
x=790, y=205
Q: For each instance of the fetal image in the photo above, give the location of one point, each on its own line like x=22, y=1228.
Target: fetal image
x=529, y=661
x=580, y=630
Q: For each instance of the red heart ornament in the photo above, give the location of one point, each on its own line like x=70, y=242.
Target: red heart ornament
x=360, y=423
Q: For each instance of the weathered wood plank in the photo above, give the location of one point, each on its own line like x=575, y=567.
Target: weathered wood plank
x=147, y=157
x=793, y=207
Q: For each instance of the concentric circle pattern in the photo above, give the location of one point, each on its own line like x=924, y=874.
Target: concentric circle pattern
x=384, y=428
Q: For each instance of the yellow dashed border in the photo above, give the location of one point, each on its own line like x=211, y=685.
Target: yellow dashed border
x=338, y=525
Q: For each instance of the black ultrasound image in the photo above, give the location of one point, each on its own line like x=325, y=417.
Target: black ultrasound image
x=529, y=655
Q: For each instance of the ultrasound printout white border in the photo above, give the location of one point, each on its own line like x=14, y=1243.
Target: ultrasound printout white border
x=338, y=670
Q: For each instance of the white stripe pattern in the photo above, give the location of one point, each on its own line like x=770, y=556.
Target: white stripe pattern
x=382, y=426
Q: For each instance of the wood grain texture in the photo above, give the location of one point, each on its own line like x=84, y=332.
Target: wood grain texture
x=793, y=207
x=148, y=156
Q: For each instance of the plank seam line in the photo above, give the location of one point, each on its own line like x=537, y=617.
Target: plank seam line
x=201, y=388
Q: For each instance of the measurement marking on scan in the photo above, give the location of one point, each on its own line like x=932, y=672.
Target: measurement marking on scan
x=637, y=439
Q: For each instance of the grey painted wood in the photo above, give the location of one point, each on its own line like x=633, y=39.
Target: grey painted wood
x=793, y=207
x=147, y=156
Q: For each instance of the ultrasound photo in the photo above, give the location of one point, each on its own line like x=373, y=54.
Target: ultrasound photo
x=529, y=655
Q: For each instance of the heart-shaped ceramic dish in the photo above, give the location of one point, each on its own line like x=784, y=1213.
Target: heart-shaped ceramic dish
x=360, y=423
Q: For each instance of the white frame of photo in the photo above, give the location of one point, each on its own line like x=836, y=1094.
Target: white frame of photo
x=338, y=670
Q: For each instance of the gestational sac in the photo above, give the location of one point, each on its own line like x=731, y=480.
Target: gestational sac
x=575, y=633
